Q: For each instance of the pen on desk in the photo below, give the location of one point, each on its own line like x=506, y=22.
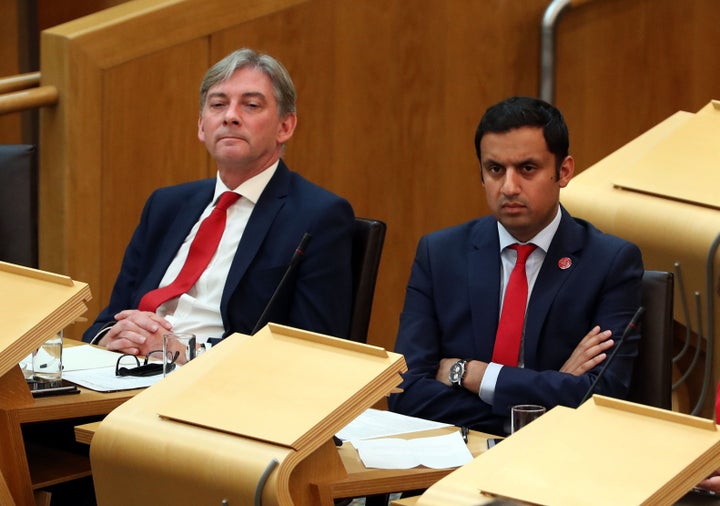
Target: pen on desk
x=464, y=433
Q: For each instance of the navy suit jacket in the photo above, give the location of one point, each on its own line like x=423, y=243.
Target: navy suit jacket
x=319, y=296
x=452, y=310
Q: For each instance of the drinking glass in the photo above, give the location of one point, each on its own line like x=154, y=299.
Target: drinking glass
x=523, y=414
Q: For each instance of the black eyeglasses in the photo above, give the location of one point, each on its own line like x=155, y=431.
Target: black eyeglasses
x=146, y=369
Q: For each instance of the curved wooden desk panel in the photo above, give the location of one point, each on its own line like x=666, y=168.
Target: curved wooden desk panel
x=209, y=430
x=668, y=229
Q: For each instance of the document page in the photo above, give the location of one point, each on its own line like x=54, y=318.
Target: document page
x=94, y=368
x=439, y=452
x=374, y=423
x=104, y=380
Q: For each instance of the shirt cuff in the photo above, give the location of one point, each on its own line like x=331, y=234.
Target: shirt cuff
x=101, y=333
x=487, y=386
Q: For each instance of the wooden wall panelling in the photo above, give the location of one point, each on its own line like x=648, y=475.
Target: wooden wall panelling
x=10, y=124
x=51, y=12
x=624, y=66
x=149, y=114
x=388, y=101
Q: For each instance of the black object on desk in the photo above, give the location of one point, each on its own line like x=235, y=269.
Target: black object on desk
x=45, y=388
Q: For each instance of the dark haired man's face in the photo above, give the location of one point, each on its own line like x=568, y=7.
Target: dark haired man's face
x=519, y=176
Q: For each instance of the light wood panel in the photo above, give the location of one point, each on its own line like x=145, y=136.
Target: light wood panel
x=389, y=95
x=624, y=66
x=236, y=432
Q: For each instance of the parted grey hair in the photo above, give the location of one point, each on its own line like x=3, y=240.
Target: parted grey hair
x=283, y=87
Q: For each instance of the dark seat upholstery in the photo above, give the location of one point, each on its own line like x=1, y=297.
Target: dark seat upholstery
x=18, y=204
x=368, y=239
x=652, y=377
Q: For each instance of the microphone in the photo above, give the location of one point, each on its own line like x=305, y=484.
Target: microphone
x=294, y=261
x=630, y=326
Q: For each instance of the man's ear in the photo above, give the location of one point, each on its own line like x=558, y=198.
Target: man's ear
x=201, y=129
x=286, y=128
x=567, y=169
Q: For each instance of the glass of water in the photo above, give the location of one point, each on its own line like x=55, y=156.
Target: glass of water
x=47, y=359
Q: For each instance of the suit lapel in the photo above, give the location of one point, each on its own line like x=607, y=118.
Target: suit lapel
x=484, y=285
x=567, y=244
x=177, y=230
x=261, y=219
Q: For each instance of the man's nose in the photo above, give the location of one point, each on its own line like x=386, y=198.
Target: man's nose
x=511, y=182
x=232, y=115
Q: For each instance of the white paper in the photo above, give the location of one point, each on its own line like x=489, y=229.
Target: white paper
x=94, y=368
x=104, y=379
x=439, y=452
x=76, y=358
x=374, y=423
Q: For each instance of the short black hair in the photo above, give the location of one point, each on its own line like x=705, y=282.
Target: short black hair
x=517, y=112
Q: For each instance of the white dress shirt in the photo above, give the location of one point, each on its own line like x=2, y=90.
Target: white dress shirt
x=198, y=310
x=532, y=268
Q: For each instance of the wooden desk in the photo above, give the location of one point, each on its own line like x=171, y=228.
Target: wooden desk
x=30, y=467
x=360, y=480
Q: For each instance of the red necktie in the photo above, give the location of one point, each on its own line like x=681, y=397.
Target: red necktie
x=201, y=252
x=512, y=318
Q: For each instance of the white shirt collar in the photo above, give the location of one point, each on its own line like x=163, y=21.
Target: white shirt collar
x=542, y=239
x=250, y=189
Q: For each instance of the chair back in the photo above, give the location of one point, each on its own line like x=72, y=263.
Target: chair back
x=368, y=239
x=652, y=376
x=18, y=204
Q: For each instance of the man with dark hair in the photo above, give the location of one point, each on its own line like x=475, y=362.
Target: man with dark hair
x=518, y=307
x=179, y=275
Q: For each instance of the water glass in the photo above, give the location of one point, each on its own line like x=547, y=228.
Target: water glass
x=178, y=349
x=47, y=359
x=523, y=414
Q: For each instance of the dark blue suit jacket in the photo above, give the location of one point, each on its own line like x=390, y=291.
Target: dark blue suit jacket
x=319, y=296
x=452, y=310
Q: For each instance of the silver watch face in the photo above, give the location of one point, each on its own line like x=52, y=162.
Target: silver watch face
x=456, y=372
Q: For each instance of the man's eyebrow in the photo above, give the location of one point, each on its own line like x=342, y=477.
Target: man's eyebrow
x=519, y=163
x=528, y=161
x=253, y=94
x=217, y=94
x=490, y=161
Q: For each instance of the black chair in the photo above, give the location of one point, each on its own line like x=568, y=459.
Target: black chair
x=652, y=377
x=18, y=204
x=368, y=239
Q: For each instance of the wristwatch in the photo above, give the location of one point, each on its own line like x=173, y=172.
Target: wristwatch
x=457, y=371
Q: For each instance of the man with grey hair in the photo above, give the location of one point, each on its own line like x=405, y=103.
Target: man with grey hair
x=166, y=282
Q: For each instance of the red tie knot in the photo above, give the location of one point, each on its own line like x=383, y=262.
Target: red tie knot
x=226, y=200
x=523, y=251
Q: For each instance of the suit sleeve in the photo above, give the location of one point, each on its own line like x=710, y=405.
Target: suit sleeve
x=421, y=340
x=322, y=298
x=127, y=280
